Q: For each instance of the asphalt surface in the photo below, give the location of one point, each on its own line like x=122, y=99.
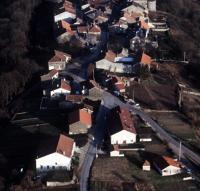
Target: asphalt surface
x=99, y=130
x=78, y=69
x=165, y=136
x=108, y=102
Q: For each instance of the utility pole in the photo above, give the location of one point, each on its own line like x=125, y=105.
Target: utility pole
x=180, y=152
x=180, y=97
x=184, y=56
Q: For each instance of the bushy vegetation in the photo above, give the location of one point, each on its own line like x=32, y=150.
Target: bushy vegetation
x=16, y=68
x=184, y=19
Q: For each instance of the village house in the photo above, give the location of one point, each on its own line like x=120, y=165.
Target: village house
x=74, y=98
x=135, y=8
x=62, y=87
x=66, y=25
x=119, y=27
x=167, y=166
x=68, y=13
x=53, y=74
x=94, y=30
x=101, y=19
x=145, y=60
x=116, y=63
x=146, y=166
x=131, y=18
x=59, y=60
x=82, y=31
x=56, y=154
x=80, y=121
x=145, y=28
x=122, y=130
x=143, y=3
x=115, y=152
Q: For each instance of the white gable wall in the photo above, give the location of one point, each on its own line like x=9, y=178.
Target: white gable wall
x=53, y=161
x=123, y=137
x=64, y=15
x=168, y=171
x=171, y=170
x=116, y=154
x=58, y=92
x=60, y=65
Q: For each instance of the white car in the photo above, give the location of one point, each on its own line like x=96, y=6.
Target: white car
x=137, y=105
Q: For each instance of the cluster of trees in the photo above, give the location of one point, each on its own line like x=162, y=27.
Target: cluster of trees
x=184, y=18
x=16, y=68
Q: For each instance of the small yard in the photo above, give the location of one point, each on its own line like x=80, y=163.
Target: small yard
x=169, y=183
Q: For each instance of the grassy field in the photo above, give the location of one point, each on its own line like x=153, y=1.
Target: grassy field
x=175, y=123
x=110, y=173
x=169, y=183
x=178, y=125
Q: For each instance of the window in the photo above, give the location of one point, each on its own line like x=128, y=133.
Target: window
x=41, y=167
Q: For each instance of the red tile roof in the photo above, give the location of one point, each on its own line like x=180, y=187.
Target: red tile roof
x=82, y=29
x=69, y=7
x=65, y=85
x=126, y=120
x=65, y=145
x=163, y=162
x=59, y=56
x=146, y=163
x=66, y=25
x=49, y=75
x=85, y=116
x=82, y=115
x=120, y=86
x=131, y=17
x=145, y=59
x=144, y=25
x=74, y=98
x=52, y=72
x=95, y=29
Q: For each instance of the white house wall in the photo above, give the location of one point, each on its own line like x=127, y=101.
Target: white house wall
x=58, y=92
x=123, y=137
x=116, y=154
x=171, y=170
x=64, y=15
x=57, y=65
x=53, y=161
x=114, y=67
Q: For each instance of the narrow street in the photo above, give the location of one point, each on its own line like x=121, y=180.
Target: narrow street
x=99, y=130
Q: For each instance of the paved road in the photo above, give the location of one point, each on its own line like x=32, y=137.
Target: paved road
x=78, y=70
x=99, y=130
x=109, y=101
x=173, y=143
